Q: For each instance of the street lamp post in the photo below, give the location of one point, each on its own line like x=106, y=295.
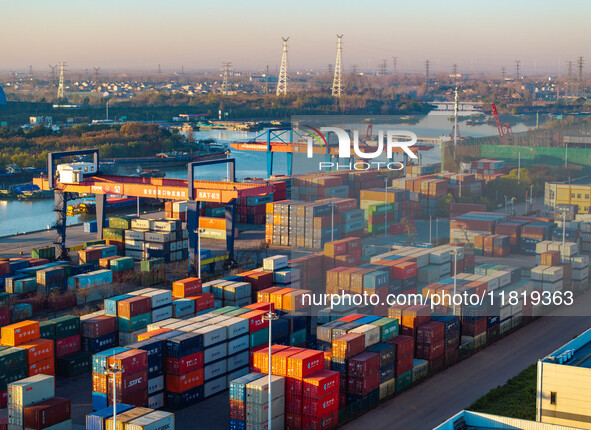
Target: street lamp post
x=270, y=316
x=114, y=370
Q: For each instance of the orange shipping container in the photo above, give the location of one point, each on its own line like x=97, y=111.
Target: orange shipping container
x=277, y=297
x=180, y=383
x=45, y=367
x=279, y=361
x=24, y=331
x=38, y=350
x=295, y=300
x=215, y=223
x=186, y=287
x=151, y=334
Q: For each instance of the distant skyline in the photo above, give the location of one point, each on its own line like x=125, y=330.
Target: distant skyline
x=137, y=35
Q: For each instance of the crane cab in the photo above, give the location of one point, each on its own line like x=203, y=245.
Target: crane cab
x=74, y=173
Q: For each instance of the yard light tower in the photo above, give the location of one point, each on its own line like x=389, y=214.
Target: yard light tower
x=270, y=316
x=114, y=370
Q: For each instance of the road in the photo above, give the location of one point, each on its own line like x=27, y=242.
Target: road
x=442, y=396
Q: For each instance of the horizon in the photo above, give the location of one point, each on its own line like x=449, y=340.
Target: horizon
x=121, y=37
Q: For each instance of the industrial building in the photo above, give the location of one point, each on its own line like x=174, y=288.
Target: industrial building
x=575, y=192
x=564, y=377
x=476, y=420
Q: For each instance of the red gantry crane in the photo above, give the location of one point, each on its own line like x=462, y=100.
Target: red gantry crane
x=505, y=131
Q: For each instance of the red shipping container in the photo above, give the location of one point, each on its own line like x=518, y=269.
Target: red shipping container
x=45, y=367
x=364, y=364
x=237, y=410
x=99, y=326
x=431, y=351
x=431, y=331
x=4, y=317
x=348, y=345
x=353, y=244
x=305, y=363
x=129, y=382
x=279, y=362
x=181, y=383
x=3, y=399
x=405, y=345
x=321, y=406
x=136, y=398
x=351, y=318
x=261, y=306
x=403, y=365
x=294, y=386
x=363, y=386
x=259, y=280
x=47, y=413
x=134, y=306
x=293, y=421
x=180, y=366
x=4, y=267
x=255, y=320
x=415, y=316
x=132, y=361
x=404, y=270
x=68, y=345
x=203, y=301
x=38, y=350
x=293, y=403
x=186, y=287
x=321, y=383
x=322, y=423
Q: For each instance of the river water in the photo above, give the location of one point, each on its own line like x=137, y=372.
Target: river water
x=24, y=216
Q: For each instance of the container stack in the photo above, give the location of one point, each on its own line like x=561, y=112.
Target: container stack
x=430, y=344
x=238, y=399
x=488, y=169
x=176, y=210
x=364, y=376
x=257, y=401
x=534, y=233
x=344, y=348
x=152, y=272
x=99, y=333
x=464, y=228
x=67, y=335
x=32, y=404
x=99, y=378
x=133, y=316
x=148, y=239
x=451, y=338
x=132, y=383
x=184, y=370
x=403, y=364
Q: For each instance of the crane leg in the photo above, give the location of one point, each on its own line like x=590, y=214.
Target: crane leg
x=289, y=163
x=269, y=163
x=230, y=220
x=192, y=226
x=101, y=206
x=61, y=206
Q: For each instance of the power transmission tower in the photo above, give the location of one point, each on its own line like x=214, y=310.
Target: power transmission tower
x=226, y=68
x=53, y=69
x=159, y=69
x=383, y=67
x=394, y=62
x=267, y=80
x=454, y=69
x=60, y=88
x=569, y=81
x=282, y=80
x=354, y=69
x=96, y=73
x=580, y=64
x=503, y=72
x=517, y=70
x=427, y=67
x=31, y=71
x=337, y=84
x=330, y=69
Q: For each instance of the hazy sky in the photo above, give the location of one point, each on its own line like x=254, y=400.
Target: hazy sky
x=478, y=35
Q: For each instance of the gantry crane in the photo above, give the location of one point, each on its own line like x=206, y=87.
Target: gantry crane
x=505, y=131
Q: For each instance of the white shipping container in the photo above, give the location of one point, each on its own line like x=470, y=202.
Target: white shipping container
x=553, y=274
x=179, y=206
x=259, y=413
x=215, y=386
x=179, y=325
x=162, y=324
x=580, y=261
x=237, y=345
x=491, y=281
x=422, y=259
x=134, y=235
x=134, y=245
x=125, y=338
x=157, y=420
x=505, y=312
x=142, y=224
x=159, y=237
x=202, y=317
x=504, y=278
x=235, y=326
x=236, y=291
x=212, y=334
x=162, y=313
x=277, y=262
x=237, y=361
x=286, y=276
x=580, y=274
x=156, y=401
x=537, y=273
x=569, y=249
x=214, y=353
x=218, y=319
x=166, y=226
x=27, y=392
x=215, y=369
x=277, y=423
x=135, y=254
x=141, y=292
x=159, y=297
x=439, y=256
x=371, y=332
x=155, y=384
x=542, y=246
x=257, y=391
x=444, y=269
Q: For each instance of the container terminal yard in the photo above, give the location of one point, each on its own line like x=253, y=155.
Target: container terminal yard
x=171, y=313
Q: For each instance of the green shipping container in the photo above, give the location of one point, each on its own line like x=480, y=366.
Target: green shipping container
x=66, y=326
x=13, y=375
x=3, y=297
x=114, y=233
x=74, y=364
x=12, y=358
x=376, y=228
x=120, y=264
x=47, y=330
x=121, y=222
x=152, y=264
x=238, y=312
x=298, y=337
x=420, y=370
x=152, y=278
x=94, y=242
x=224, y=310
x=388, y=328
x=259, y=337
x=381, y=208
x=134, y=323
x=404, y=381
x=47, y=252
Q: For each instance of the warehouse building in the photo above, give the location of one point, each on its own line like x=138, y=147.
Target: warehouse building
x=564, y=378
x=465, y=420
